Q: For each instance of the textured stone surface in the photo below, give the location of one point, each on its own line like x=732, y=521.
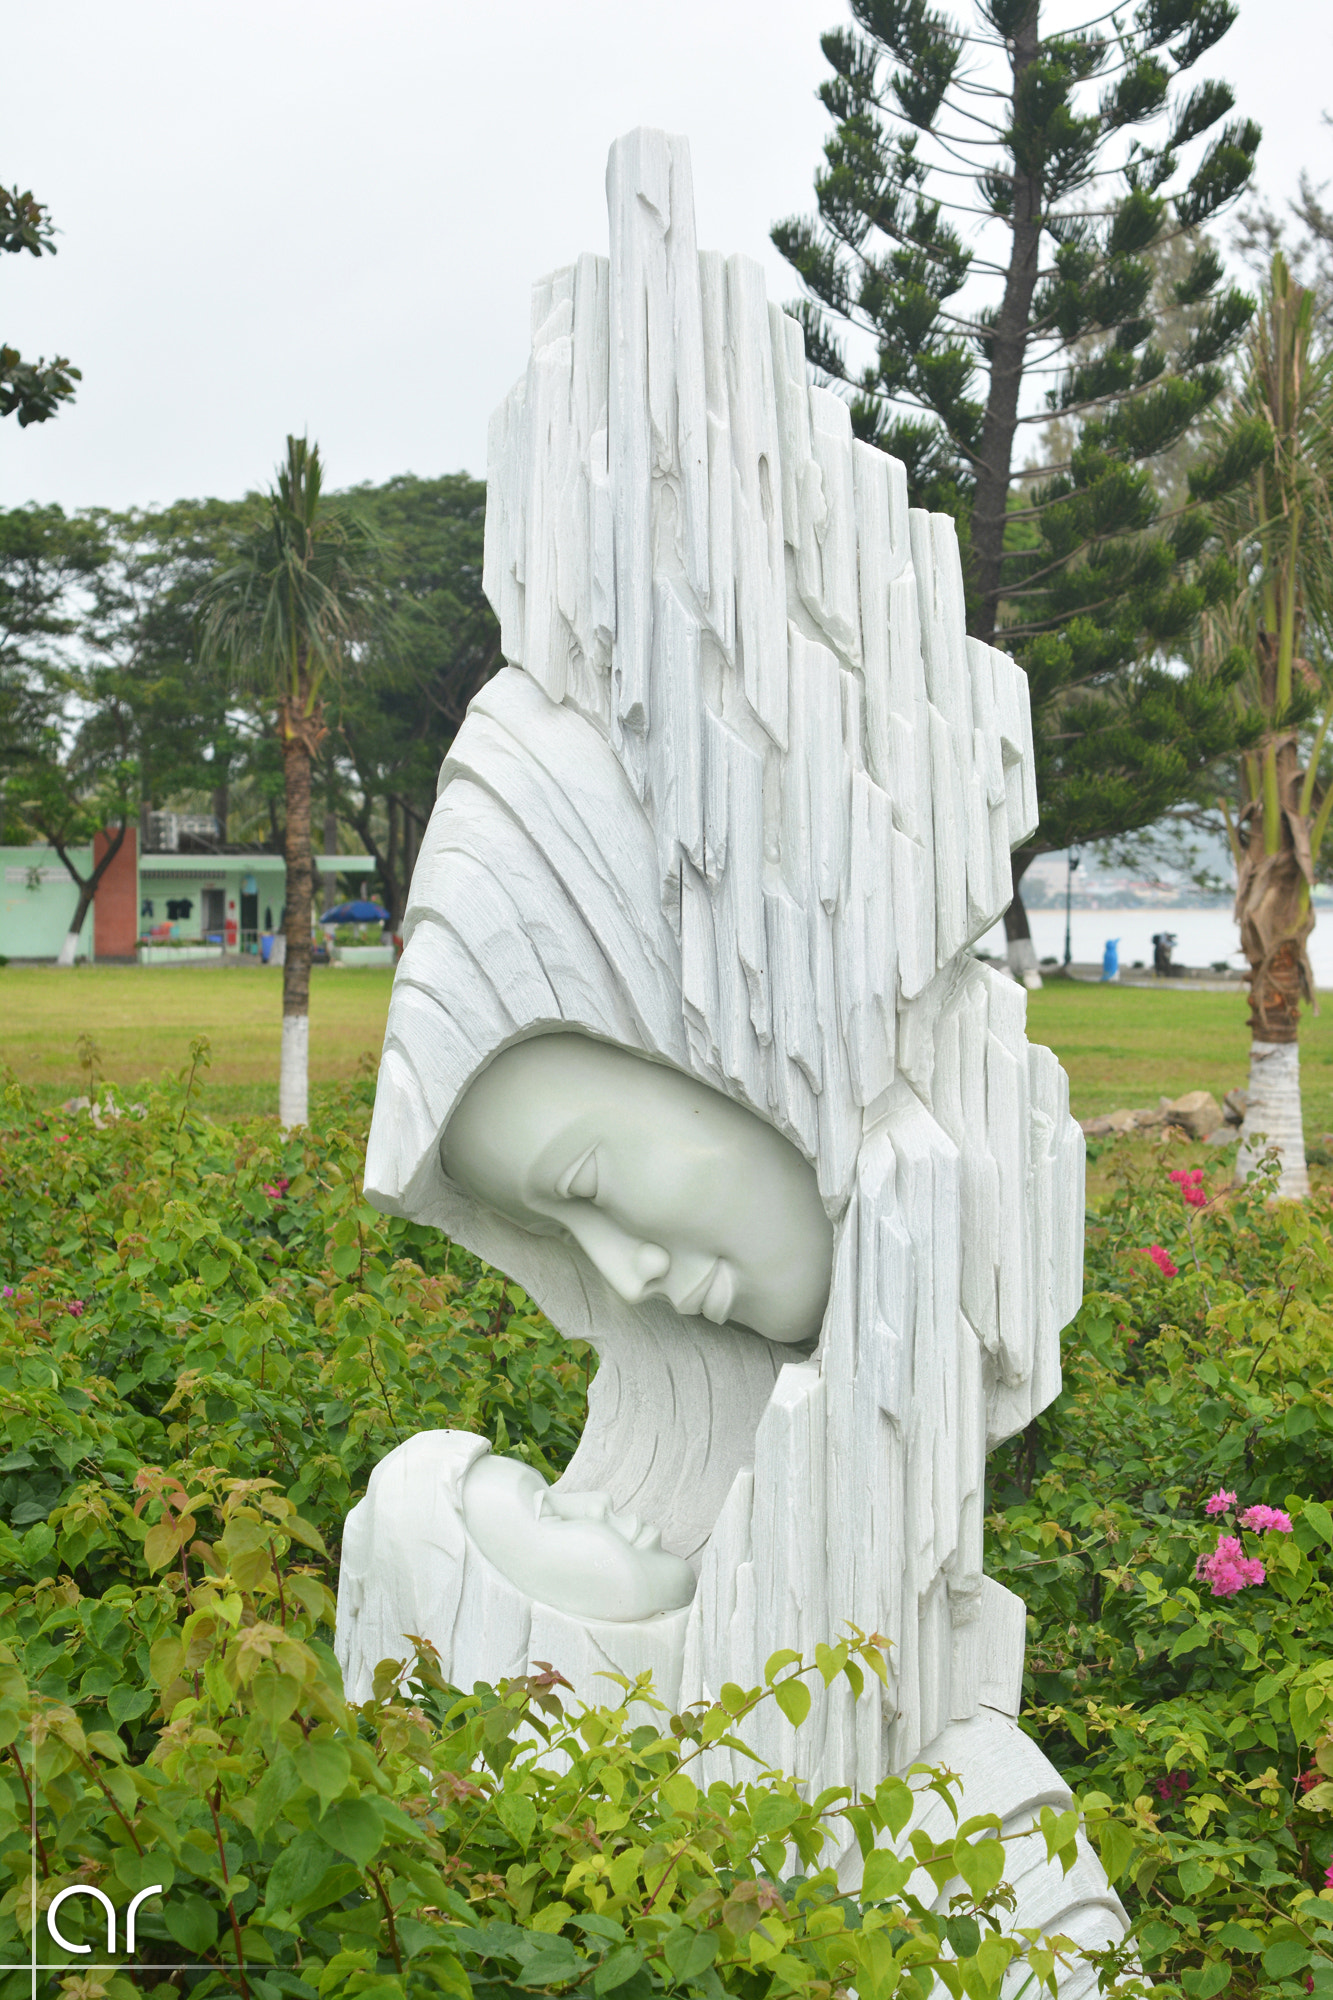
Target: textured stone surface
x=740, y=801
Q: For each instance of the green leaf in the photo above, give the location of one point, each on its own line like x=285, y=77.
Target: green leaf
x=324, y=1765
x=213, y=1272
x=964, y=1935
x=1238, y=1938
x=894, y=1801
x=273, y=1696
x=793, y=1698
x=774, y=1814
x=688, y=1953
x=517, y=1814
x=980, y=1863
x=554, y=1963
x=617, y=1967
x=886, y=1875
x=1319, y=1518
x=1116, y=1846
x=354, y=1828
x=1288, y=1955
x=300, y=1868
x=192, y=1922
x=777, y=1661
x=123, y=1703
x=345, y=1259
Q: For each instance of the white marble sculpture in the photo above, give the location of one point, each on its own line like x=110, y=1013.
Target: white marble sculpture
x=687, y=1039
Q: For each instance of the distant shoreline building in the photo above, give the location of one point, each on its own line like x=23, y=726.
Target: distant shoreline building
x=168, y=898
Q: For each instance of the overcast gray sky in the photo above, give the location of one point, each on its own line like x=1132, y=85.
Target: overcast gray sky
x=326, y=214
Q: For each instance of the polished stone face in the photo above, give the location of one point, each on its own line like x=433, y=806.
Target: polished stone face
x=570, y=1550
x=669, y=1188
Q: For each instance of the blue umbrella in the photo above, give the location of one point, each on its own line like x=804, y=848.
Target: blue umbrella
x=355, y=913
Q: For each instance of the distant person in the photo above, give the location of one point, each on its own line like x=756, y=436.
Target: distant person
x=1111, y=959
x=1162, y=943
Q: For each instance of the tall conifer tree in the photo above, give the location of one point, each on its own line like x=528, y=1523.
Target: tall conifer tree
x=990, y=203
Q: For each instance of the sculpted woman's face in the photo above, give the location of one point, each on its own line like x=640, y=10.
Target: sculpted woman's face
x=668, y=1187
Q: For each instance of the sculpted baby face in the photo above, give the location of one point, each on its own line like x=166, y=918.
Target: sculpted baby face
x=668, y=1187
x=570, y=1550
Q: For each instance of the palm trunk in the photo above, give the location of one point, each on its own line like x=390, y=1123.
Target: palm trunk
x=1275, y=915
x=1273, y=1117
x=301, y=728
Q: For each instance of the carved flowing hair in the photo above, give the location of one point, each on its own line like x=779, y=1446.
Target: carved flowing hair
x=739, y=803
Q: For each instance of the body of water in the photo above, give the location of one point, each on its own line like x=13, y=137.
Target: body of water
x=1203, y=937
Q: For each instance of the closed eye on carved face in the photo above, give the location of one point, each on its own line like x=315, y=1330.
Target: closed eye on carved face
x=579, y=1182
x=668, y=1187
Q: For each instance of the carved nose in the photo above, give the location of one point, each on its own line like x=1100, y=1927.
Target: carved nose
x=651, y=1261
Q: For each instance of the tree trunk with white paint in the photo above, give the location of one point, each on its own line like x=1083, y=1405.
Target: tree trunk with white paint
x=301, y=731
x=1274, y=877
x=1273, y=1117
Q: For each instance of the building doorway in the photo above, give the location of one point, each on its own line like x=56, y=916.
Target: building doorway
x=214, y=901
x=249, y=919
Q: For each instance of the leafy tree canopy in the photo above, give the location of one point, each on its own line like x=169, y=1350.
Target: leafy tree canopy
x=30, y=390
x=993, y=206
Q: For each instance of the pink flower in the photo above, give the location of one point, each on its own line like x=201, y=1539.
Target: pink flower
x=75, y=1307
x=1217, y=1503
x=62, y=1138
x=1309, y=1779
x=1190, y=1182
x=1228, y=1569
x=1328, y=1884
x=1266, y=1520
x=276, y=1190
x=1174, y=1781
x=1161, y=1260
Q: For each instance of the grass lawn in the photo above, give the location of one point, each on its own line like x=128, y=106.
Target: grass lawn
x=1129, y=1046
x=143, y=1018
x=1120, y=1045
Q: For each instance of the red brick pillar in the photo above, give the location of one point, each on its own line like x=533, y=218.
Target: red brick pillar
x=116, y=904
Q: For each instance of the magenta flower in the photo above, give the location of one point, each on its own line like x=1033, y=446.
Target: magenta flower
x=1266, y=1520
x=9, y=1291
x=75, y=1307
x=276, y=1190
x=1328, y=1876
x=1190, y=1182
x=1228, y=1569
x=1217, y=1503
x=1161, y=1260
x=1173, y=1782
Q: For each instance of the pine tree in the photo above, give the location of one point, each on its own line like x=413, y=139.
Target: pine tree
x=1074, y=566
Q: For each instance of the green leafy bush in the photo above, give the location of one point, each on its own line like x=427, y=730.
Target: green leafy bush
x=207, y=1339
x=1197, y=1703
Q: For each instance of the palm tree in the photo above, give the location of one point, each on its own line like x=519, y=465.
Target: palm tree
x=281, y=617
x=1278, y=532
